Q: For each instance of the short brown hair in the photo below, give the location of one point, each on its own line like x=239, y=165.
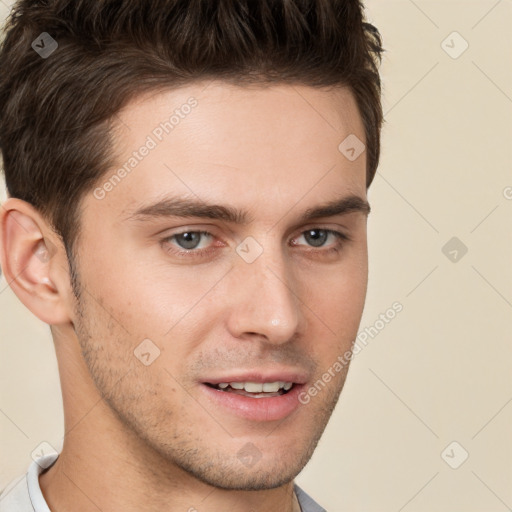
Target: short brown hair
x=56, y=113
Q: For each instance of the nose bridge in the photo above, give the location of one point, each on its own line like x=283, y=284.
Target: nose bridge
x=265, y=302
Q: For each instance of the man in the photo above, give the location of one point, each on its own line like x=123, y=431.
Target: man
x=187, y=211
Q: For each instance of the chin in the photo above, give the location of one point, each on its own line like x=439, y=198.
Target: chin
x=257, y=478
x=241, y=472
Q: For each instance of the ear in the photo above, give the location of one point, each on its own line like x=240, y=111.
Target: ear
x=34, y=262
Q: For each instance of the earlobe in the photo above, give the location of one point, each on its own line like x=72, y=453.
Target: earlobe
x=30, y=261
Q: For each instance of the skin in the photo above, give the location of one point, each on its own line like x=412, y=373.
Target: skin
x=147, y=437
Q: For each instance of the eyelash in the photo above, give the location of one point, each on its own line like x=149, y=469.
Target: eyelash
x=192, y=253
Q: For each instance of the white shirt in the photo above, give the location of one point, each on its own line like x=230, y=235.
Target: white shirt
x=24, y=494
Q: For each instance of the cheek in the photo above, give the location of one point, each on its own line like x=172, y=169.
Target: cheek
x=336, y=299
x=147, y=297
x=340, y=287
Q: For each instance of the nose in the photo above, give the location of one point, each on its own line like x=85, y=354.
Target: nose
x=263, y=302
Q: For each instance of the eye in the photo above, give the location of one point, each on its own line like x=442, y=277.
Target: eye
x=317, y=237
x=189, y=240
x=199, y=243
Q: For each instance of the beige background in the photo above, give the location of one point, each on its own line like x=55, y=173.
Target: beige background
x=440, y=371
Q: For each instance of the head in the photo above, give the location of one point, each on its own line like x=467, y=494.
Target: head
x=188, y=208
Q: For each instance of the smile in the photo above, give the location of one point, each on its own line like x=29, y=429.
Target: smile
x=254, y=401
x=254, y=389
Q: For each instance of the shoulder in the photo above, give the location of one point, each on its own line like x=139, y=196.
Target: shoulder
x=15, y=497
x=307, y=503
x=24, y=494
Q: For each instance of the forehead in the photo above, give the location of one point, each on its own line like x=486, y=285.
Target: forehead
x=214, y=140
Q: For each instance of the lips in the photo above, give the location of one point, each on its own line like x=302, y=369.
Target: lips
x=254, y=396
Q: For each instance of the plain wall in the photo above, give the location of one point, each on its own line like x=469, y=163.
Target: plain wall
x=438, y=372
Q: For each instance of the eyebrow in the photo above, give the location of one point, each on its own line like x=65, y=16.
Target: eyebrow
x=180, y=207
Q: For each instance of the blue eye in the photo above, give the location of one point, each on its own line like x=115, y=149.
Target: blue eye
x=190, y=239
x=317, y=237
x=192, y=242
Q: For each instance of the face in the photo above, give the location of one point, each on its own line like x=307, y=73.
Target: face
x=214, y=288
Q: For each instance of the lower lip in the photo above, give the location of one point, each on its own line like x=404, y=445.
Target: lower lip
x=256, y=409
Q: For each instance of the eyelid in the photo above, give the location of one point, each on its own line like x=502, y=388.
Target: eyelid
x=198, y=229
x=341, y=237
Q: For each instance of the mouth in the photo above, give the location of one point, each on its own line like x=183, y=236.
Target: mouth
x=254, y=396
x=254, y=389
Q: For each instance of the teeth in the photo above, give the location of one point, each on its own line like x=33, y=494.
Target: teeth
x=258, y=387
x=253, y=387
x=271, y=387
